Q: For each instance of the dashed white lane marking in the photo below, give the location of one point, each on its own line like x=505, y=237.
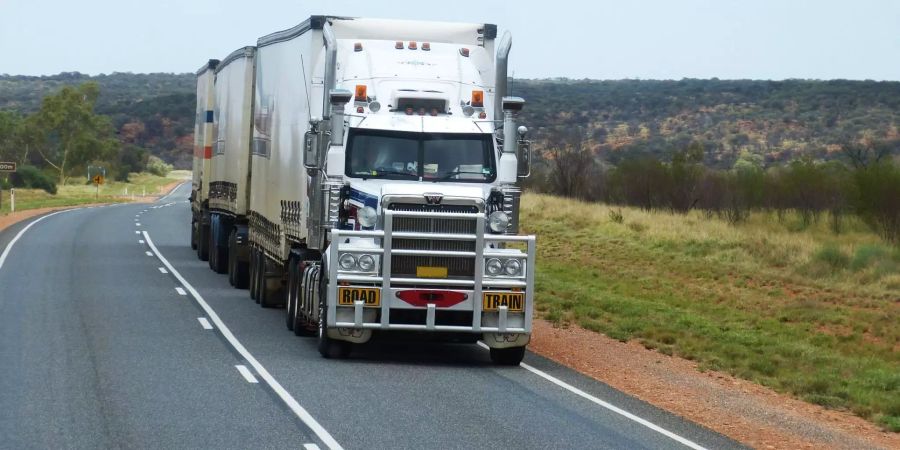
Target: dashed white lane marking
x=310, y=447
x=140, y=241
x=137, y=224
x=245, y=372
x=149, y=253
x=137, y=231
x=21, y=232
x=163, y=270
x=205, y=323
x=276, y=387
x=609, y=406
x=180, y=291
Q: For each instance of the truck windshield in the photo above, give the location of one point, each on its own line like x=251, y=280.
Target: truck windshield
x=420, y=156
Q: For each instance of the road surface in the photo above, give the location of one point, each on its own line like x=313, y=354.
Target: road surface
x=114, y=335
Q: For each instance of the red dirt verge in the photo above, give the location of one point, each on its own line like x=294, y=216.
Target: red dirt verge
x=742, y=410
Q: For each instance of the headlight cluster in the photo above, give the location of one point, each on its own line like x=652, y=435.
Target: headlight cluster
x=362, y=263
x=367, y=216
x=498, y=221
x=511, y=267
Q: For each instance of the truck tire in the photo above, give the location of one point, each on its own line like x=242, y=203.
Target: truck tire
x=193, y=235
x=218, y=254
x=202, y=242
x=253, y=278
x=328, y=348
x=291, y=296
x=237, y=270
x=507, y=356
x=268, y=297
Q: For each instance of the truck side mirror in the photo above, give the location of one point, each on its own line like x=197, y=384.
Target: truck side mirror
x=524, y=156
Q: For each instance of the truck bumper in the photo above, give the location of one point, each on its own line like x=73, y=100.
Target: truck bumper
x=402, y=303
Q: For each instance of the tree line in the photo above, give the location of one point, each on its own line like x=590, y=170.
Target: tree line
x=63, y=138
x=865, y=182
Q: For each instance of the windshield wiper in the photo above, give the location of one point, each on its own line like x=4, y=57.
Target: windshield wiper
x=454, y=173
x=387, y=172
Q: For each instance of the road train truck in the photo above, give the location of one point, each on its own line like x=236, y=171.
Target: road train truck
x=363, y=173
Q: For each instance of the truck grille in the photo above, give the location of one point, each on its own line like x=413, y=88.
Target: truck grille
x=405, y=266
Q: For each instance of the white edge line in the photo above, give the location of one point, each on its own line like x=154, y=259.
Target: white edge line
x=310, y=447
x=607, y=405
x=276, y=387
x=22, y=232
x=180, y=291
x=245, y=372
x=204, y=323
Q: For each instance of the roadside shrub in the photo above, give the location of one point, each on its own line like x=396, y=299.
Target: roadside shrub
x=158, y=167
x=615, y=215
x=30, y=177
x=833, y=257
x=865, y=255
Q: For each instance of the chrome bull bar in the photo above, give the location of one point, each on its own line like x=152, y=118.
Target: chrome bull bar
x=477, y=284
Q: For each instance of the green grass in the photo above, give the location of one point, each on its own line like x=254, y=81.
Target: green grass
x=76, y=192
x=804, y=311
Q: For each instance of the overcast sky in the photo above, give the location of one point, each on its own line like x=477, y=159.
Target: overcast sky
x=651, y=39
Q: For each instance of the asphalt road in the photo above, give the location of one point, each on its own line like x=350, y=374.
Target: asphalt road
x=107, y=341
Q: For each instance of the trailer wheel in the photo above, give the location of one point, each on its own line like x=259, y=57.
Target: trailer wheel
x=202, y=242
x=268, y=297
x=291, y=300
x=507, y=356
x=253, y=279
x=218, y=254
x=193, y=235
x=328, y=348
x=232, y=259
x=237, y=270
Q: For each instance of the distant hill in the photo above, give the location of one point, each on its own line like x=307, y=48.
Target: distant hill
x=779, y=120
x=154, y=111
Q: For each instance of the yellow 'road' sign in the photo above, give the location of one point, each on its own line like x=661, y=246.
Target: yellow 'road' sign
x=98, y=179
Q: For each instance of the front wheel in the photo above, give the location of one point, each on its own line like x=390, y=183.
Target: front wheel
x=507, y=356
x=328, y=347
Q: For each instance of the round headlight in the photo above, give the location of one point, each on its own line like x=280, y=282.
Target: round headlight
x=498, y=221
x=366, y=216
x=347, y=261
x=512, y=267
x=366, y=263
x=493, y=266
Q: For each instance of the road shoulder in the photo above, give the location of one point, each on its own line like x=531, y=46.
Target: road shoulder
x=740, y=409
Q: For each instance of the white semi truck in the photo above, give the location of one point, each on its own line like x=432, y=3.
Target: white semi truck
x=371, y=183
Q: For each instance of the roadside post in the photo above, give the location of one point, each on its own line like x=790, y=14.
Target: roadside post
x=8, y=167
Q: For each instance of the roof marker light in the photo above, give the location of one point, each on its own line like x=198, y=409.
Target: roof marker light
x=360, y=109
x=482, y=115
x=426, y=46
x=422, y=111
x=412, y=45
x=477, y=98
x=434, y=111
x=361, y=93
x=398, y=45
x=357, y=47
x=464, y=51
x=409, y=111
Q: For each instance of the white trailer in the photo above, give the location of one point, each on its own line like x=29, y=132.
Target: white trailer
x=229, y=179
x=203, y=140
x=383, y=184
